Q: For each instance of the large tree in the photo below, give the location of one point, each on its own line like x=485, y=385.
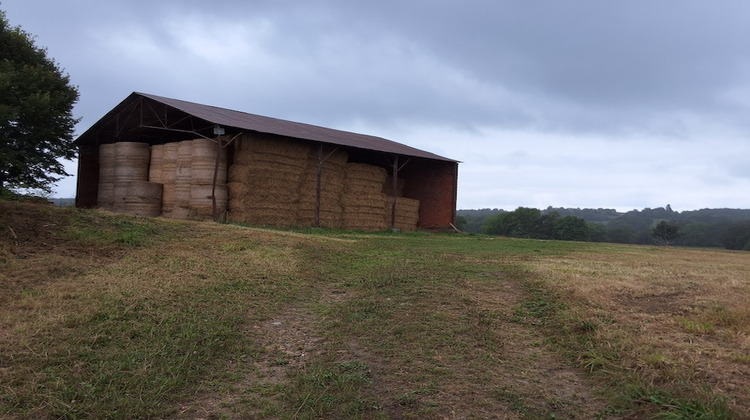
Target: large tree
x=36, y=113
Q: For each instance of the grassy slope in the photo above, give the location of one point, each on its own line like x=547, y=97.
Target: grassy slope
x=113, y=316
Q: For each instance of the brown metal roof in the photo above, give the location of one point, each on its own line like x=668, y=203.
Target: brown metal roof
x=244, y=121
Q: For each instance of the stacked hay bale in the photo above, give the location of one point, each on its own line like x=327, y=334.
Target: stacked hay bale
x=131, y=166
x=264, y=180
x=363, y=197
x=333, y=173
x=142, y=198
x=202, y=191
x=180, y=208
x=156, y=165
x=105, y=196
x=407, y=213
x=168, y=178
x=273, y=182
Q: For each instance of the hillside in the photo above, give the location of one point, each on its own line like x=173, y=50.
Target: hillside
x=105, y=315
x=706, y=228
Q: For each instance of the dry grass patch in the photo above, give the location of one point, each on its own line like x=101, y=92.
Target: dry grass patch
x=678, y=318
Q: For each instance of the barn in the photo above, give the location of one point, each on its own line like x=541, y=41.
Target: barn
x=158, y=156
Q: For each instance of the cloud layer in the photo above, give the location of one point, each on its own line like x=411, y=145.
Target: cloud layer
x=580, y=103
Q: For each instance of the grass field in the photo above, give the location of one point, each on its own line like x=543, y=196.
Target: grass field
x=111, y=316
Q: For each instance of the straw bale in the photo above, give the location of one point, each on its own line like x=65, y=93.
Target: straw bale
x=156, y=164
x=203, y=162
x=184, y=156
x=169, y=163
x=371, y=199
x=358, y=186
x=107, y=163
x=170, y=151
x=169, y=172
x=118, y=196
x=131, y=161
x=105, y=196
x=177, y=212
x=201, y=194
x=407, y=212
x=261, y=144
x=244, y=173
x=138, y=191
x=272, y=160
x=141, y=198
x=167, y=197
x=366, y=172
x=201, y=201
x=182, y=194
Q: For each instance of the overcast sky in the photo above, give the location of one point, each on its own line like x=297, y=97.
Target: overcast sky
x=578, y=103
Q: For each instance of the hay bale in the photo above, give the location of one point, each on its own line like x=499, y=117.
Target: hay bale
x=131, y=161
x=156, y=165
x=203, y=163
x=184, y=157
x=259, y=144
x=107, y=162
x=142, y=198
x=169, y=163
x=105, y=197
x=201, y=201
x=407, y=212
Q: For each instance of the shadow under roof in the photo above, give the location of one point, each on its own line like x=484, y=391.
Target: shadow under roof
x=120, y=120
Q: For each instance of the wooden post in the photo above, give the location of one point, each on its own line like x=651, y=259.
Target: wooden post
x=393, y=192
x=318, y=187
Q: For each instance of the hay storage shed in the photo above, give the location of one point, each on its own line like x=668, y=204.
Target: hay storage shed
x=199, y=161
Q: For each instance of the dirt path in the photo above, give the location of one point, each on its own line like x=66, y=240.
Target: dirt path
x=521, y=377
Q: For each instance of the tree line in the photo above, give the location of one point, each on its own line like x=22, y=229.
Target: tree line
x=722, y=228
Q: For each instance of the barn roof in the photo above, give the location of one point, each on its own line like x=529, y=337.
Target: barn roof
x=146, y=116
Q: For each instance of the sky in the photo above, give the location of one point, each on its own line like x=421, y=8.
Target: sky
x=579, y=103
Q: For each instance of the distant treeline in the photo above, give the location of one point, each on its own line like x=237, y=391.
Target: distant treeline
x=727, y=228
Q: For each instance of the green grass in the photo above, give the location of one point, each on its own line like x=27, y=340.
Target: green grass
x=233, y=322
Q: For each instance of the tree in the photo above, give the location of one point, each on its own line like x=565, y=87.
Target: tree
x=665, y=233
x=737, y=236
x=36, y=121
x=571, y=228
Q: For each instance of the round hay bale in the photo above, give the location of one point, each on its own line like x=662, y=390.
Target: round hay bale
x=142, y=198
x=155, y=168
x=131, y=161
x=169, y=163
x=178, y=212
x=203, y=163
x=119, y=192
x=184, y=156
x=107, y=163
x=105, y=195
x=182, y=194
x=167, y=197
x=200, y=195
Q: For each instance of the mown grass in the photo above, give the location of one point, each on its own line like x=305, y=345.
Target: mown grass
x=197, y=320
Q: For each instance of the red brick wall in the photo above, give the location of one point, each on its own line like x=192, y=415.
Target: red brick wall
x=434, y=184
